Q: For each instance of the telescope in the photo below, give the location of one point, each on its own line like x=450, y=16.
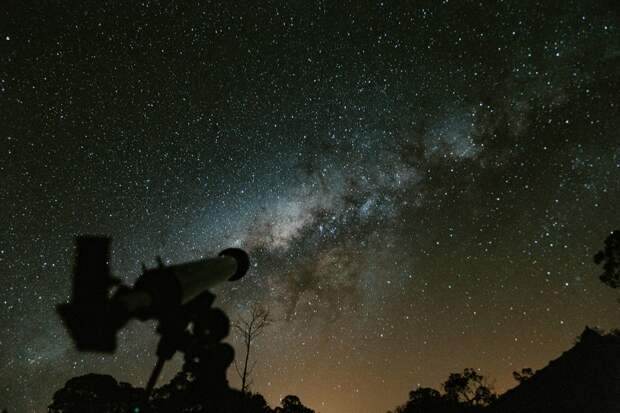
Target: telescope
x=94, y=315
x=177, y=296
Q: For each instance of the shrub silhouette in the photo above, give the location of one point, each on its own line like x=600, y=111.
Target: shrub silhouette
x=524, y=375
x=610, y=258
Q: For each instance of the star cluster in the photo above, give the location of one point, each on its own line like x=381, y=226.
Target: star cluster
x=420, y=185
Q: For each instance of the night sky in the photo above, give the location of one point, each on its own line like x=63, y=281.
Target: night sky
x=421, y=185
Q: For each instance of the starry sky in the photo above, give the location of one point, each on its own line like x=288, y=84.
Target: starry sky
x=421, y=185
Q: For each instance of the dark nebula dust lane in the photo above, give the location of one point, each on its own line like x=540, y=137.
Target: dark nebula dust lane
x=421, y=187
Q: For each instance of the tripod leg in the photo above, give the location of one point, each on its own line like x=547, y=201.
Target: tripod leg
x=154, y=376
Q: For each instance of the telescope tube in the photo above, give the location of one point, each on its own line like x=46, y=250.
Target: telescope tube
x=161, y=289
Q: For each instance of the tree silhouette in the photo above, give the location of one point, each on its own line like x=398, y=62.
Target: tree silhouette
x=423, y=394
x=250, y=328
x=524, y=375
x=463, y=393
x=610, y=258
x=96, y=393
x=292, y=404
x=424, y=400
x=468, y=388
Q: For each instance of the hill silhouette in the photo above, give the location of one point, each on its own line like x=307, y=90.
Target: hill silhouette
x=585, y=378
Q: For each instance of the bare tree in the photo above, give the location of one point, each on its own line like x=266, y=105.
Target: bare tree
x=250, y=327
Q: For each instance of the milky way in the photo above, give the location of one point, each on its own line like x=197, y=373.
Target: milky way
x=421, y=188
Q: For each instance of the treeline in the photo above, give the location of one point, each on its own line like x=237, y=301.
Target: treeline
x=584, y=378
x=462, y=392
x=95, y=393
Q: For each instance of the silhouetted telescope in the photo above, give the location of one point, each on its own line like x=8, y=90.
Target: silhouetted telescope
x=100, y=306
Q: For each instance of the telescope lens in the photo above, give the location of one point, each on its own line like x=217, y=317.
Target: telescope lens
x=242, y=259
